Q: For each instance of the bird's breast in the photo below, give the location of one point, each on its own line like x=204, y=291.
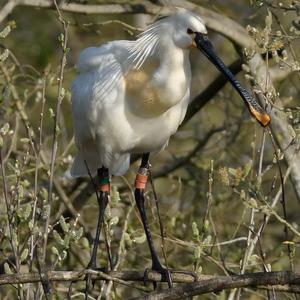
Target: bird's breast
x=150, y=93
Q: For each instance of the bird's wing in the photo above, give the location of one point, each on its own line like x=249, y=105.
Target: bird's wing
x=98, y=85
x=99, y=71
x=185, y=100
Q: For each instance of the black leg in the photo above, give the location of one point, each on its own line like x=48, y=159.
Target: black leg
x=140, y=184
x=102, y=197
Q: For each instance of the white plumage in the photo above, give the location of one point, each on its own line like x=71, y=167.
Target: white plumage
x=131, y=96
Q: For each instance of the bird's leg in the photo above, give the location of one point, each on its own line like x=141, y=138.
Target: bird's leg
x=103, y=185
x=104, y=188
x=140, y=184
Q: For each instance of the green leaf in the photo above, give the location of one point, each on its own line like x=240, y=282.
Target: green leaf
x=206, y=225
x=20, y=190
x=115, y=196
x=61, y=37
x=85, y=243
x=4, y=55
x=24, y=254
x=65, y=226
x=78, y=234
x=199, y=270
x=67, y=241
x=54, y=251
x=197, y=252
x=268, y=21
x=7, y=269
x=114, y=221
x=4, y=129
x=195, y=230
x=127, y=239
x=62, y=93
x=63, y=255
x=207, y=240
x=24, y=140
x=5, y=32
x=58, y=238
x=247, y=169
x=52, y=114
x=27, y=211
x=30, y=225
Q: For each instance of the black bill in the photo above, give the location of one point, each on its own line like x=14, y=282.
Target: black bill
x=255, y=109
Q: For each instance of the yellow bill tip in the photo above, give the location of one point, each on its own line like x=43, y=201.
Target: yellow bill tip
x=263, y=118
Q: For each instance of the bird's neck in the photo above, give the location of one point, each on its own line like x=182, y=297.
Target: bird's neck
x=173, y=59
x=172, y=78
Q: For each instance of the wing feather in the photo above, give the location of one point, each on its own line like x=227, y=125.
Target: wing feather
x=94, y=89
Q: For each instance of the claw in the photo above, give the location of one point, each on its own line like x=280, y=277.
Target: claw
x=88, y=280
x=146, y=277
x=165, y=276
x=168, y=277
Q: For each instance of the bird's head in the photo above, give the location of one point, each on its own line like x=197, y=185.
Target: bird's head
x=189, y=31
x=185, y=25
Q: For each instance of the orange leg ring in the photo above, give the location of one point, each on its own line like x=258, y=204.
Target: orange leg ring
x=104, y=187
x=140, y=181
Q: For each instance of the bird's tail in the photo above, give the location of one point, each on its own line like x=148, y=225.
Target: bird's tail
x=79, y=168
x=118, y=165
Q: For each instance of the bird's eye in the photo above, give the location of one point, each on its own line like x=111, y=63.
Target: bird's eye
x=189, y=31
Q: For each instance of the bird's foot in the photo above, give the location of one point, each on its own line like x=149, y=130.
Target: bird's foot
x=165, y=275
x=88, y=280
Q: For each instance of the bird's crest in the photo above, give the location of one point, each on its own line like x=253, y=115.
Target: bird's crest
x=145, y=45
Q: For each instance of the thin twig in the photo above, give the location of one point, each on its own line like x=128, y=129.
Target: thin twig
x=56, y=119
x=283, y=202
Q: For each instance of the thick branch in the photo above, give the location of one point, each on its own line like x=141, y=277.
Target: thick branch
x=286, y=281
x=221, y=283
x=96, y=275
x=214, y=21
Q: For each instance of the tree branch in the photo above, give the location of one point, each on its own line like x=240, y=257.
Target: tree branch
x=7, y=9
x=226, y=282
x=285, y=281
x=96, y=275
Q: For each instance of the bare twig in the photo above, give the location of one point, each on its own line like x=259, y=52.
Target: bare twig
x=8, y=212
x=37, y=163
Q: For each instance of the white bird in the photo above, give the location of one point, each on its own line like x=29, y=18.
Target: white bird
x=131, y=96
